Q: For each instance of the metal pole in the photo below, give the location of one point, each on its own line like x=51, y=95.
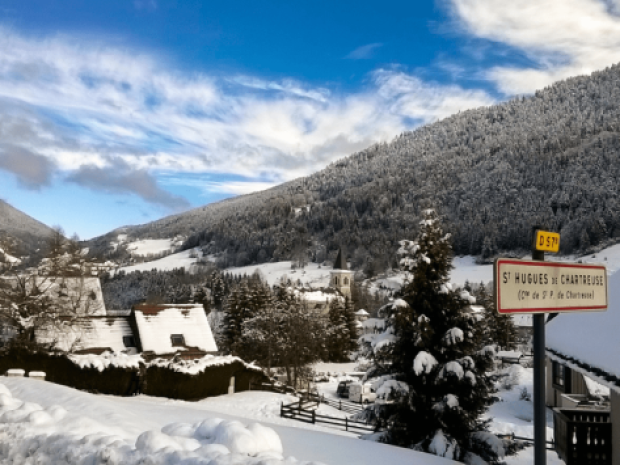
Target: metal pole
x=540, y=413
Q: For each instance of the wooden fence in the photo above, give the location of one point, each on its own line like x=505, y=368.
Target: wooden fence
x=306, y=411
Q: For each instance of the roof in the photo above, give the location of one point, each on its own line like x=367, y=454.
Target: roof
x=157, y=323
x=340, y=263
x=589, y=341
x=91, y=334
x=362, y=312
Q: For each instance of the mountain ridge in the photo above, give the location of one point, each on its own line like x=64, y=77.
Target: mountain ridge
x=492, y=172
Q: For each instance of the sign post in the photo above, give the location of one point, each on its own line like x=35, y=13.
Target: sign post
x=540, y=413
x=537, y=287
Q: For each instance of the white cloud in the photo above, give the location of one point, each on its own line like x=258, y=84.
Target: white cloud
x=94, y=106
x=364, y=52
x=562, y=37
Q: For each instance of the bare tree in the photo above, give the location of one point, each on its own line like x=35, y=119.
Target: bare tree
x=47, y=305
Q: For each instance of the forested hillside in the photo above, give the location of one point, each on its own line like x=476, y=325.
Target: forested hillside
x=19, y=233
x=550, y=159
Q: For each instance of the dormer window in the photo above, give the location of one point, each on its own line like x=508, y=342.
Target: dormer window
x=129, y=341
x=177, y=340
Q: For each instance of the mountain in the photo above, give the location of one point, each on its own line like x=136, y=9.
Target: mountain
x=551, y=159
x=22, y=231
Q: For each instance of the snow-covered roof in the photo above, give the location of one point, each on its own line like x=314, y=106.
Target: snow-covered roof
x=157, y=323
x=589, y=340
x=318, y=296
x=362, y=312
x=372, y=323
x=105, y=333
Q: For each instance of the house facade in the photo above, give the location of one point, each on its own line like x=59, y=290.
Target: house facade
x=583, y=382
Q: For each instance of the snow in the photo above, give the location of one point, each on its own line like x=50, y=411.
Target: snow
x=597, y=342
x=105, y=360
x=453, y=336
x=424, y=363
x=169, y=263
x=9, y=258
x=313, y=274
x=196, y=366
x=189, y=321
x=442, y=446
x=151, y=246
x=452, y=368
x=58, y=425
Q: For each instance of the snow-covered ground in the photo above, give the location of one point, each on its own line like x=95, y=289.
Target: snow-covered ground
x=151, y=246
x=44, y=423
x=177, y=260
x=313, y=274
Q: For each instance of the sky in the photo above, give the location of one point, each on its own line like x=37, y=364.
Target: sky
x=118, y=112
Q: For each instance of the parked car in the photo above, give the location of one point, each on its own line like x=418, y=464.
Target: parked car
x=362, y=393
x=343, y=389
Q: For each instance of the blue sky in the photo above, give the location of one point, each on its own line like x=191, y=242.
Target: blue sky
x=121, y=112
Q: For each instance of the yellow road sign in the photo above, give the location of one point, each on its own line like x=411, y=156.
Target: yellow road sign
x=547, y=241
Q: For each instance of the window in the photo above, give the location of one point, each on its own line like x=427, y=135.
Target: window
x=177, y=340
x=561, y=377
x=336, y=280
x=346, y=281
x=129, y=341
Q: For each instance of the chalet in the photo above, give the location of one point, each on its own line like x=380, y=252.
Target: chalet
x=583, y=382
x=155, y=331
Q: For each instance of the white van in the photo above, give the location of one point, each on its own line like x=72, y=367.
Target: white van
x=362, y=393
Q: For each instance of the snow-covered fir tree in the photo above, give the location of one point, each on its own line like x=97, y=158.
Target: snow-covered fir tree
x=342, y=333
x=433, y=359
x=500, y=329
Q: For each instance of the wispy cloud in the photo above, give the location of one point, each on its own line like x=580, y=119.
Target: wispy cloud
x=364, y=52
x=90, y=108
x=563, y=38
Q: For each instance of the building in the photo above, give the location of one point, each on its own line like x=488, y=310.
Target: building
x=583, y=382
x=341, y=277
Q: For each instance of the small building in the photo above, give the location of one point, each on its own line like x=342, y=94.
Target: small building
x=583, y=382
x=361, y=315
x=166, y=330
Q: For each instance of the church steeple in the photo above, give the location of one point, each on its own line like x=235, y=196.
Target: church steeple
x=340, y=263
x=341, y=277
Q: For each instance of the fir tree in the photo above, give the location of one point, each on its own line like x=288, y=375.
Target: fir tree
x=436, y=356
x=500, y=329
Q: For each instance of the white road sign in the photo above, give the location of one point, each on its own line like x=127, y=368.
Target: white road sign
x=537, y=287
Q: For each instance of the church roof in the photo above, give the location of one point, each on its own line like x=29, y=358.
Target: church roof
x=340, y=263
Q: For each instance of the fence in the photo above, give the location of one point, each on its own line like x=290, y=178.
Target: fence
x=306, y=411
x=583, y=437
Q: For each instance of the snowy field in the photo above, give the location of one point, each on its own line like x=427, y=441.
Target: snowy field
x=44, y=423
x=151, y=246
x=177, y=260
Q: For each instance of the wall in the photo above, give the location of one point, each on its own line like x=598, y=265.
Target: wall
x=615, y=428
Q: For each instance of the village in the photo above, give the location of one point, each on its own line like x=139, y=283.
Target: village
x=169, y=350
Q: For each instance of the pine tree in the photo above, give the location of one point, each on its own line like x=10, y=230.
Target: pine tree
x=437, y=356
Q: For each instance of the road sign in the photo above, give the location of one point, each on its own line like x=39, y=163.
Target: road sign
x=547, y=241
x=537, y=287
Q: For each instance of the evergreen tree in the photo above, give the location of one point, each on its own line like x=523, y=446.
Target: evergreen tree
x=437, y=357
x=500, y=329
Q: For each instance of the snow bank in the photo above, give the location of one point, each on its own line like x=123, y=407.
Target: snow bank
x=31, y=434
x=193, y=367
x=107, y=360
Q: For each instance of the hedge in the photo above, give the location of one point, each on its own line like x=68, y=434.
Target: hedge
x=158, y=381
x=60, y=370
x=161, y=381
